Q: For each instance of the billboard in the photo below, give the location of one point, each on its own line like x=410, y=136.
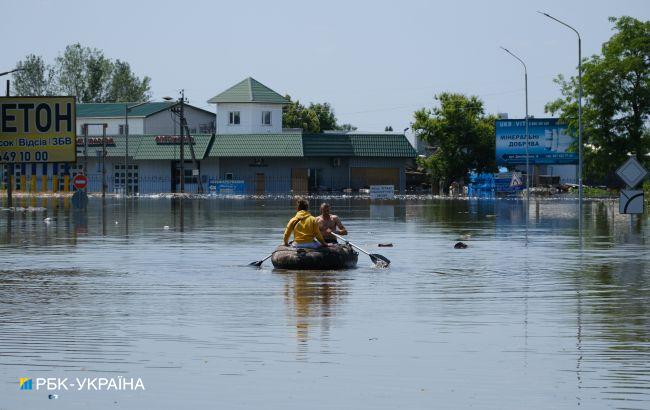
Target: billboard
x=37, y=129
x=548, y=142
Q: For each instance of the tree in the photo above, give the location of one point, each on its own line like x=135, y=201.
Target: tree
x=296, y=115
x=388, y=128
x=125, y=86
x=315, y=118
x=83, y=72
x=462, y=135
x=616, y=100
x=36, y=77
x=347, y=127
x=325, y=114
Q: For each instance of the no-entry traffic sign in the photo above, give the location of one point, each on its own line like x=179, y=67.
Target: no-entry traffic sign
x=80, y=181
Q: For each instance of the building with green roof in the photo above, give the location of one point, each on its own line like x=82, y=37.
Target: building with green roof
x=147, y=118
x=249, y=107
x=249, y=149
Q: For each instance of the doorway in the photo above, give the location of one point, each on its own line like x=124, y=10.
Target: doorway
x=260, y=183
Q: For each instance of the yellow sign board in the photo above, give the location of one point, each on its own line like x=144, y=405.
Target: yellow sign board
x=38, y=129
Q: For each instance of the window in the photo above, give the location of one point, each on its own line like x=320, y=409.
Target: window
x=131, y=178
x=205, y=128
x=234, y=118
x=228, y=176
x=266, y=117
x=122, y=127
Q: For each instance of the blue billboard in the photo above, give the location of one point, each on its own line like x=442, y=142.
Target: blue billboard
x=548, y=142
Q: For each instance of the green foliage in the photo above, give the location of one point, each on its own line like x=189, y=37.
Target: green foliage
x=296, y=115
x=462, y=135
x=125, y=86
x=616, y=101
x=83, y=72
x=36, y=77
x=315, y=118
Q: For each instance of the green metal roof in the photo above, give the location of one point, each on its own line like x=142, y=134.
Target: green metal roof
x=382, y=145
x=113, y=110
x=359, y=145
x=145, y=147
x=117, y=109
x=249, y=90
x=327, y=145
x=257, y=145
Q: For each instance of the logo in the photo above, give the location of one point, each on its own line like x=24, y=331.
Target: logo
x=25, y=383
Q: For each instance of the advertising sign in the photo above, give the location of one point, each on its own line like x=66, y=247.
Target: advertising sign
x=37, y=129
x=227, y=187
x=548, y=142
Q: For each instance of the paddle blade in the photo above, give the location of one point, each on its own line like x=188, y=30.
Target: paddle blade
x=379, y=260
x=256, y=263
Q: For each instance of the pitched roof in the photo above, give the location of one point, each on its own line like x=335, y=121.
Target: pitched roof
x=327, y=145
x=143, y=147
x=382, y=145
x=116, y=110
x=249, y=90
x=358, y=145
x=257, y=145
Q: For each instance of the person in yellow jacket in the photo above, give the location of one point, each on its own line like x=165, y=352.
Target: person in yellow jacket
x=304, y=227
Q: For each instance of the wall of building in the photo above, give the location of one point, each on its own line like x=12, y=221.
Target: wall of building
x=155, y=176
x=166, y=123
x=250, y=118
x=136, y=125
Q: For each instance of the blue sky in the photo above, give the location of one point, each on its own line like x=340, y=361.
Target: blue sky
x=374, y=61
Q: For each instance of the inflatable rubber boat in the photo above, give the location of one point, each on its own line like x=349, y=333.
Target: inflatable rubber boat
x=341, y=256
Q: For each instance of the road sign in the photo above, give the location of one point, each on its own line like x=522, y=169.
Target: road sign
x=80, y=181
x=631, y=172
x=516, y=180
x=37, y=129
x=631, y=201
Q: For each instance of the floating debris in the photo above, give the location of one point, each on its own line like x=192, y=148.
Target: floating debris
x=385, y=245
x=460, y=245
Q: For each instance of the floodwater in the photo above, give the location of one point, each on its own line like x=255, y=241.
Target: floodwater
x=530, y=315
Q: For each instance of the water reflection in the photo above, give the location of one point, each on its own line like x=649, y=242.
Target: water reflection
x=312, y=299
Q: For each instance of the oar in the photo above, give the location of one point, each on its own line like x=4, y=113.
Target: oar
x=259, y=263
x=376, y=258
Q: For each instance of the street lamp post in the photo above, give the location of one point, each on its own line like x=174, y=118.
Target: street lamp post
x=579, y=113
x=526, y=122
x=127, y=109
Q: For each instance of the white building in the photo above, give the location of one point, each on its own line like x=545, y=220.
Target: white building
x=152, y=118
x=249, y=107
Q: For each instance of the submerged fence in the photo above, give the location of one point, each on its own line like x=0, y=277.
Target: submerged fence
x=116, y=183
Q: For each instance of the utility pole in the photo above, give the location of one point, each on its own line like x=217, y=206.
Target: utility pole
x=10, y=174
x=182, y=120
x=104, y=160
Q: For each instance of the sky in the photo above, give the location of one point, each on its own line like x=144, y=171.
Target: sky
x=376, y=61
